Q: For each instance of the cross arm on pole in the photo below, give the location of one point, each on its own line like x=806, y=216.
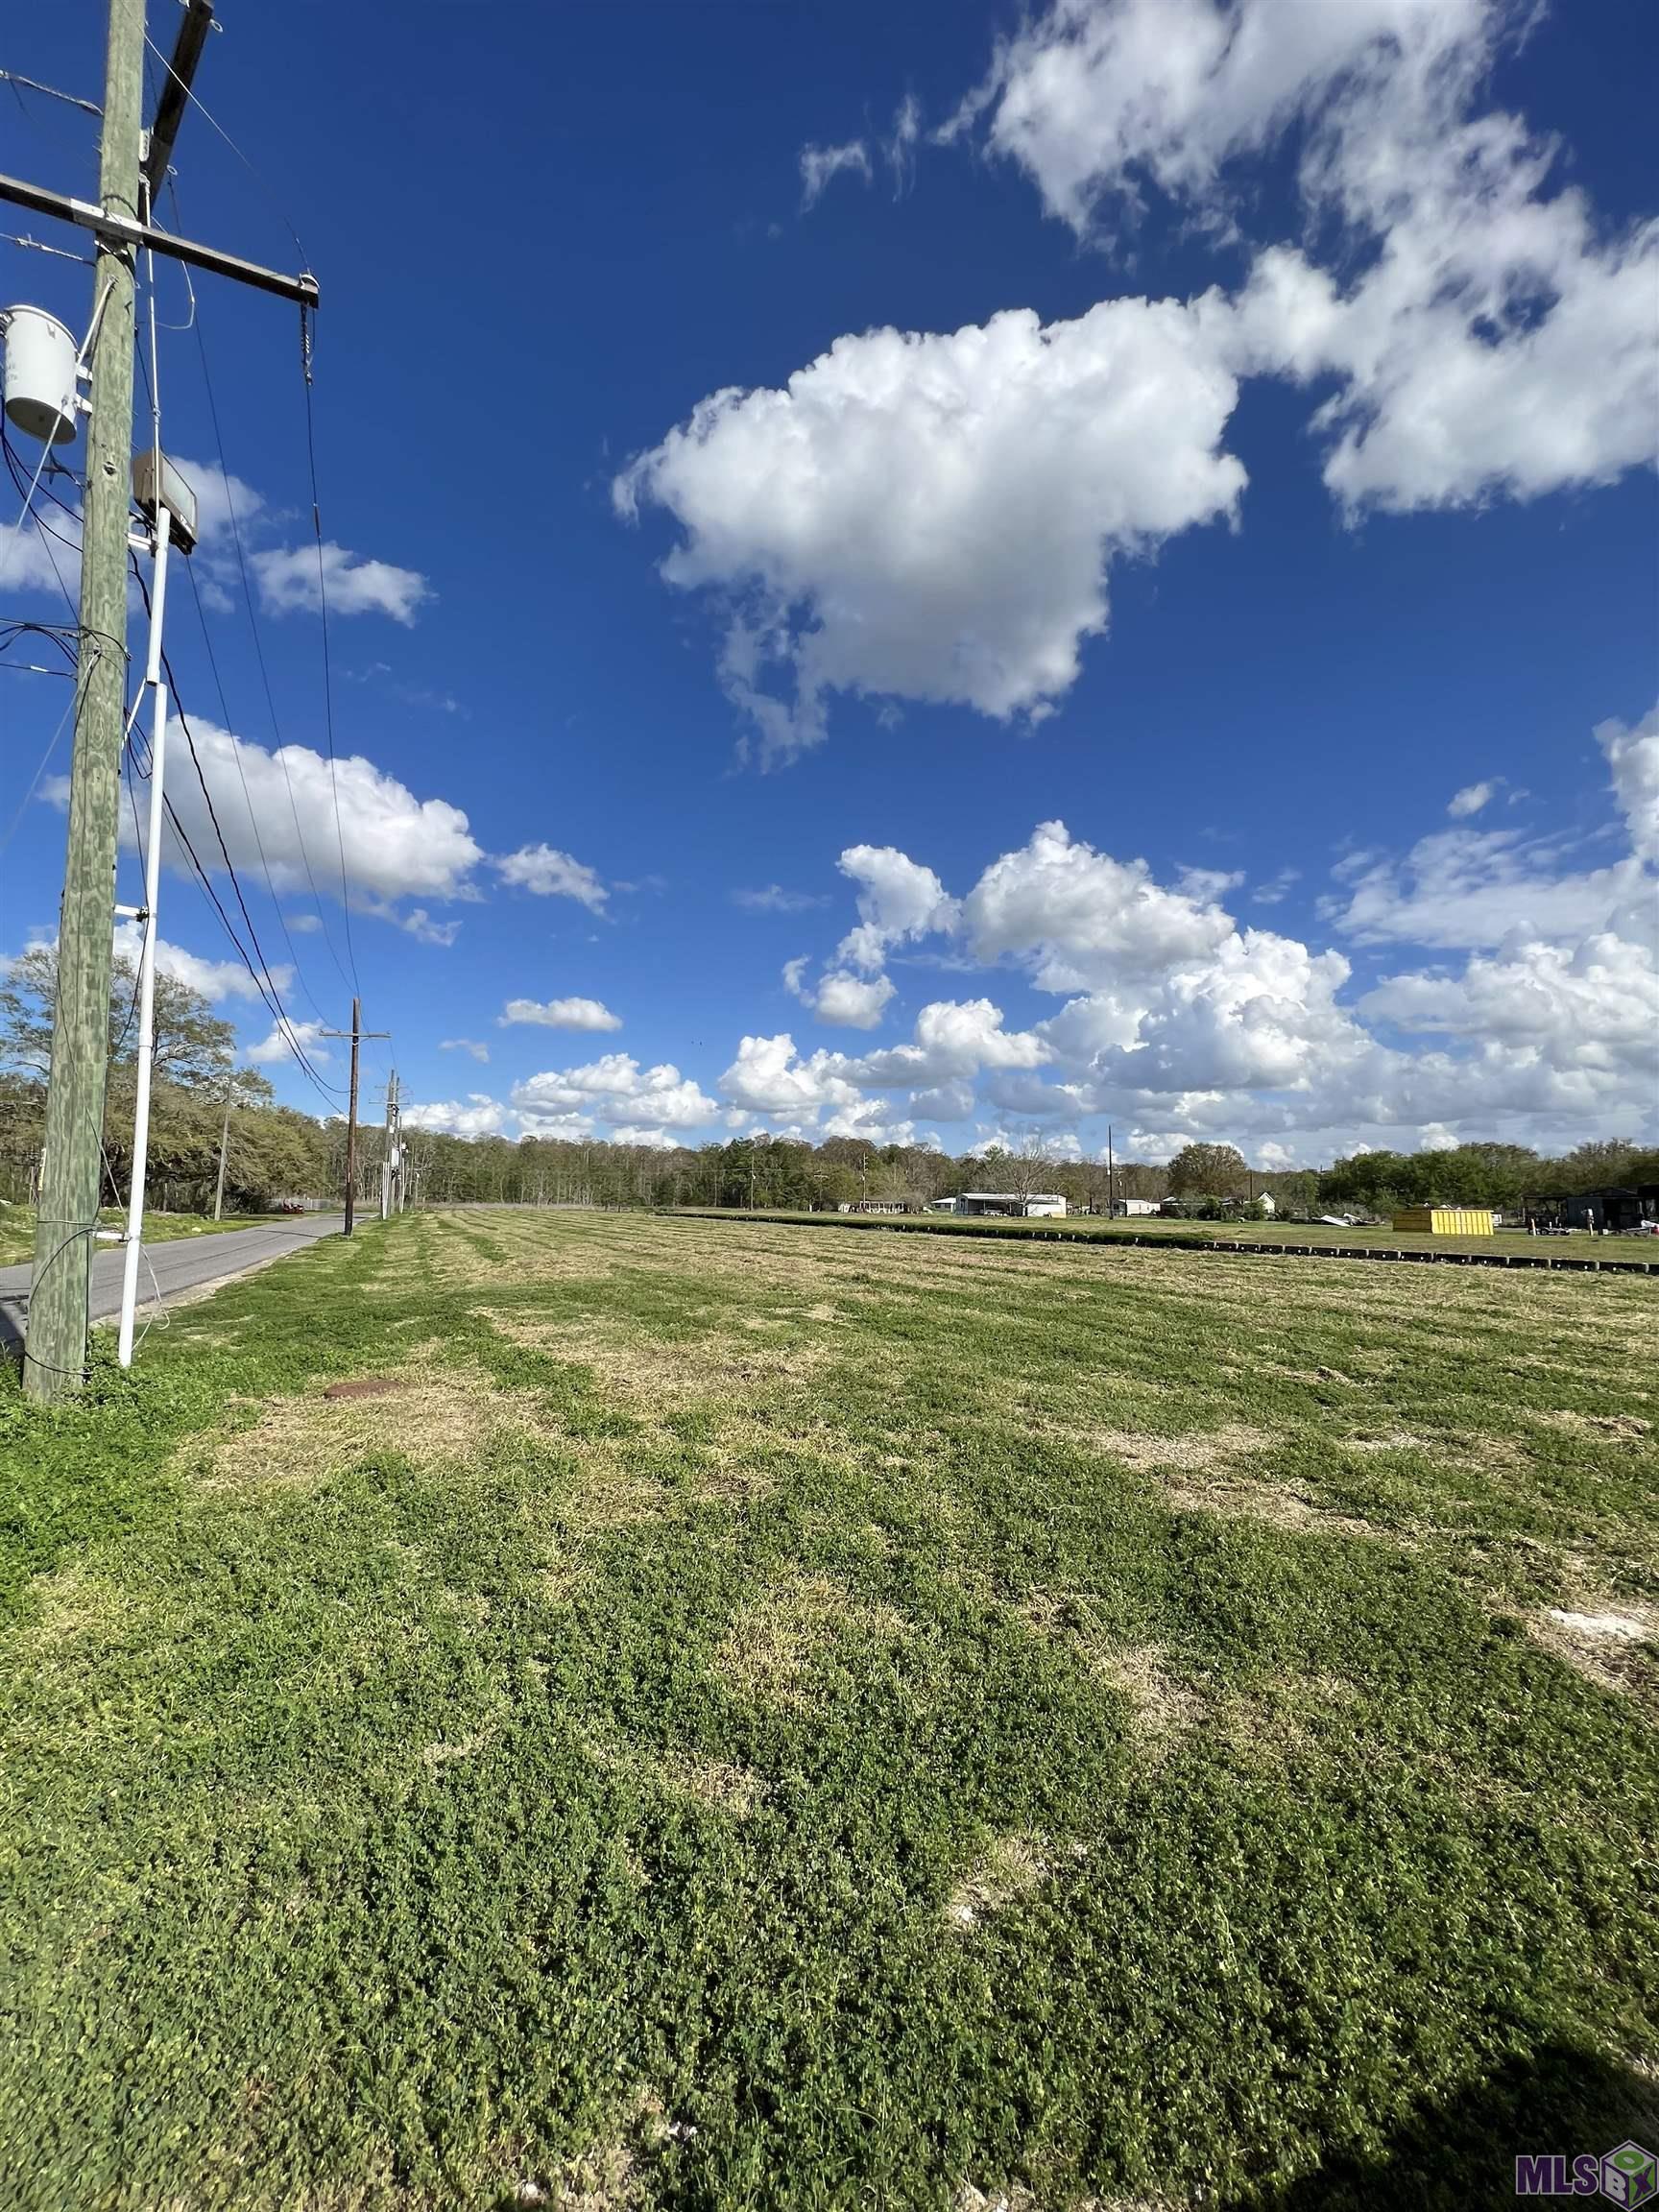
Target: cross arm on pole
x=123, y=231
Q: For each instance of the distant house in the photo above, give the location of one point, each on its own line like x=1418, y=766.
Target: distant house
x=1135, y=1206
x=1040, y=1204
x=1618, y=1207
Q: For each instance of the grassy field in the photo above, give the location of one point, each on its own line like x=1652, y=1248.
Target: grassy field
x=1378, y=1237
x=760, y=1717
x=17, y=1228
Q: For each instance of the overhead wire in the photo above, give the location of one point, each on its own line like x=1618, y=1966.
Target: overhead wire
x=64, y=721
x=278, y=747
x=259, y=967
x=323, y=610
x=258, y=176
x=247, y=795
x=240, y=772
x=16, y=79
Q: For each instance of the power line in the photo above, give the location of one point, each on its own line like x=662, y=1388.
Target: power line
x=266, y=987
x=258, y=641
x=322, y=609
x=51, y=92
x=284, y=1026
x=264, y=980
x=64, y=721
x=257, y=174
x=247, y=795
x=40, y=246
x=28, y=507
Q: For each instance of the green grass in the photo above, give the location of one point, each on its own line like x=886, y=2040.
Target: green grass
x=17, y=1228
x=769, y=1719
x=1378, y=1237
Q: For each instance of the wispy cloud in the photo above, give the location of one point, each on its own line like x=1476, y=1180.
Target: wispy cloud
x=821, y=165
x=773, y=898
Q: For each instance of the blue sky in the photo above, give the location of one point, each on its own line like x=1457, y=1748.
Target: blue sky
x=1221, y=432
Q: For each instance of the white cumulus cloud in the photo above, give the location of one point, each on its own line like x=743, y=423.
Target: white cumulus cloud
x=476, y=1116
x=1472, y=799
x=549, y=873
x=931, y=517
x=615, y=1091
x=212, y=978
x=277, y=810
x=287, y=577
x=1496, y=338
x=284, y=1037
x=559, y=1014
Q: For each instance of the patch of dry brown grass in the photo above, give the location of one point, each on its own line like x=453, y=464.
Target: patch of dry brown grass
x=1196, y=1451
x=720, y=1784
x=653, y=1374
x=772, y=1640
x=1012, y=1867
x=1277, y=1504
x=450, y=1413
x=1626, y=1429
x=1166, y=1703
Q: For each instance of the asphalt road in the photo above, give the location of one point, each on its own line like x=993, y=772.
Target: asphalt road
x=183, y=1264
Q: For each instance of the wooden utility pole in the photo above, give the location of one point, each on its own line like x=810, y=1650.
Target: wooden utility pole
x=71, y=1184
x=392, y=1158
x=356, y=1033
x=71, y=1178
x=224, y=1143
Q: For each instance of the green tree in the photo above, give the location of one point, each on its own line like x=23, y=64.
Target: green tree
x=1208, y=1171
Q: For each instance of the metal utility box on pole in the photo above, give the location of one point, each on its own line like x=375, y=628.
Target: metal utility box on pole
x=55, y=1350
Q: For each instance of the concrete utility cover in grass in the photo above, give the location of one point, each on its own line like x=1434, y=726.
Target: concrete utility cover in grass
x=365, y=1386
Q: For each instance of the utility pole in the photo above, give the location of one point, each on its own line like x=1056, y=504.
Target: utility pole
x=1110, y=1206
x=390, y=1162
x=224, y=1143
x=66, y=1224
x=356, y=1033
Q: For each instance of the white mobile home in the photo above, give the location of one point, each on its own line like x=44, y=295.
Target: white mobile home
x=1038, y=1205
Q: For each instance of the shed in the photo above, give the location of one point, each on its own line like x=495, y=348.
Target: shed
x=1446, y=1220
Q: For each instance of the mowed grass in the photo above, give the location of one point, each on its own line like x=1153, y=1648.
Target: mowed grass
x=17, y=1228
x=762, y=1717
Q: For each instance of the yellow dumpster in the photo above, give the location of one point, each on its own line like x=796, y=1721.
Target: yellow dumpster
x=1446, y=1220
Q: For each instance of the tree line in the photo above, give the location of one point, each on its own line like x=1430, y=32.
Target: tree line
x=274, y=1153
x=778, y=1172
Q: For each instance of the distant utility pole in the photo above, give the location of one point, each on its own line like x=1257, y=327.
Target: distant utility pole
x=224, y=1143
x=55, y=1353
x=391, y=1161
x=1109, y=1207
x=356, y=1033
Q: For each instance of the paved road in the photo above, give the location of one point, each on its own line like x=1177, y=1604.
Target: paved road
x=180, y=1265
